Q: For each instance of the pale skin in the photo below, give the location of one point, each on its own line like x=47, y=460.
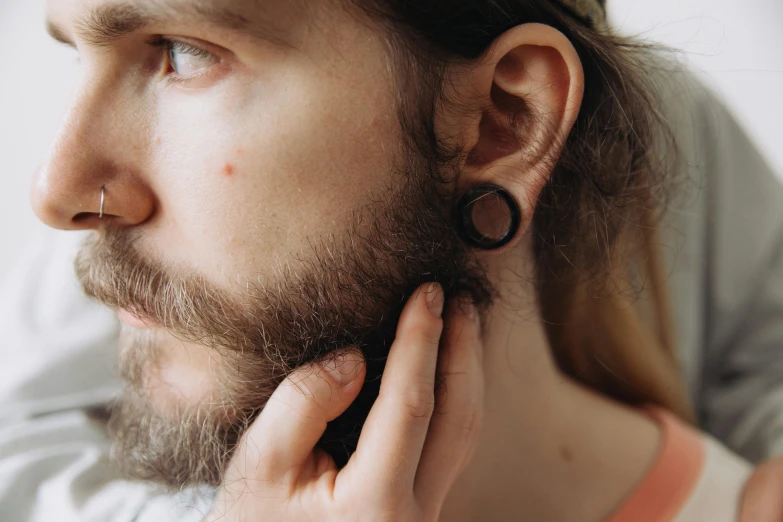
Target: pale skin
x=299, y=127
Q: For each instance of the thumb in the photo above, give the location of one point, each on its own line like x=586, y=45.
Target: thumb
x=282, y=439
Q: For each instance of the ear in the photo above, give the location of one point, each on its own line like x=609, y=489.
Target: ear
x=515, y=109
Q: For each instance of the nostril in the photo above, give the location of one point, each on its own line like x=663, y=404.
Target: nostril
x=82, y=216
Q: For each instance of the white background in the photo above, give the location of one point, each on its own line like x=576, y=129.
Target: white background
x=738, y=44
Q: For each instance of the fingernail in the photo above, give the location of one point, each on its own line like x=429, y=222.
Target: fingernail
x=435, y=299
x=344, y=367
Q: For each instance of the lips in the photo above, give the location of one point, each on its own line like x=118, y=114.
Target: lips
x=128, y=318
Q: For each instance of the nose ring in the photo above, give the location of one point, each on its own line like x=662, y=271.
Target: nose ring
x=103, y=201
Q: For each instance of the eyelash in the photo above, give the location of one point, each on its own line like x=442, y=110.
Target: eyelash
x=169, y=45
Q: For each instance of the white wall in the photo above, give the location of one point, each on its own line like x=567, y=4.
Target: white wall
x=36, y=78
x=738, y=43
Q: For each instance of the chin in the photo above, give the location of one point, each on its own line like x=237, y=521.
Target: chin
x=172, y=375
x=174, y=424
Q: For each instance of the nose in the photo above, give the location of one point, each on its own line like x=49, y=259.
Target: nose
x=97, y=157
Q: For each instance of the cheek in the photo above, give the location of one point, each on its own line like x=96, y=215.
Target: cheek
x=245, y=184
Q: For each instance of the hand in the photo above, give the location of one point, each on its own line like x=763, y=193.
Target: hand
x=407, y=458
x=762, y=500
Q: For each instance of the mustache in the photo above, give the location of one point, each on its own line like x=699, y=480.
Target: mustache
x=112, y=271
x=281, y=328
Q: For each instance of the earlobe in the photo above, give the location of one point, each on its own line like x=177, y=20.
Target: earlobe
x=488, y=217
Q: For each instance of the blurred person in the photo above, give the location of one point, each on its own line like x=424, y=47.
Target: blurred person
x=269, y=186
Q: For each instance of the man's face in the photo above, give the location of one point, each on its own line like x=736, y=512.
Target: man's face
x=261, y=209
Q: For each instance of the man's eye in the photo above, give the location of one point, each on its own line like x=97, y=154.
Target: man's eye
x=185, y=59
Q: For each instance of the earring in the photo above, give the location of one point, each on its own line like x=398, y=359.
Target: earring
x=484, y=197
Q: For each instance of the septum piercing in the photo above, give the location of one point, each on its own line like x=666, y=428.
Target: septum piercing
x=103, y=201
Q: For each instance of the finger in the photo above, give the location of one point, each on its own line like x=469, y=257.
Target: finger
x=454, y=429
x=281, y=441
x=392, y=438
x=762, y=498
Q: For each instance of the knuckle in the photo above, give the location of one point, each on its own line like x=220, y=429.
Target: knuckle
x=469, y=423
x=461, y=418
x=419, y=401
x=428, y=332
x=386, y=502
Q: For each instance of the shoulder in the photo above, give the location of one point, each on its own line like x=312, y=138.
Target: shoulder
x=723, y=486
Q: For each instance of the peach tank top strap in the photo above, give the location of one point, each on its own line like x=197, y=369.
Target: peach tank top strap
x=671, y=480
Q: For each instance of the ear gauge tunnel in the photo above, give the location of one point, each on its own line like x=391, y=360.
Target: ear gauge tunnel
x=488, y=217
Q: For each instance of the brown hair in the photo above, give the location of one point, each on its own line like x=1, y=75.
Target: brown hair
x=594, y=227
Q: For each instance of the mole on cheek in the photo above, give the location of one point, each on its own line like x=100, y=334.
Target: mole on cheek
x=229, y=169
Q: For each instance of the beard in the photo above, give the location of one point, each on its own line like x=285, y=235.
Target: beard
x=340, y=291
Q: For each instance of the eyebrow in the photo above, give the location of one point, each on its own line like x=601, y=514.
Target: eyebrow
x=107, y=23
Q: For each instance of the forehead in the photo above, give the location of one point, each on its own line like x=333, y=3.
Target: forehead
x=102, y=20
x=240, y=9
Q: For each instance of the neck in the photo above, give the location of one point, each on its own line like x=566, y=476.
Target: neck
x=550, y=449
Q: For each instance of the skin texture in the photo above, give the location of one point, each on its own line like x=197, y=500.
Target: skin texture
x=229, y=178
x=407, y=458
x=762, y=497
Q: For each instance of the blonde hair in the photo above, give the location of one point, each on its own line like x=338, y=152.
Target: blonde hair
x=604, y=342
